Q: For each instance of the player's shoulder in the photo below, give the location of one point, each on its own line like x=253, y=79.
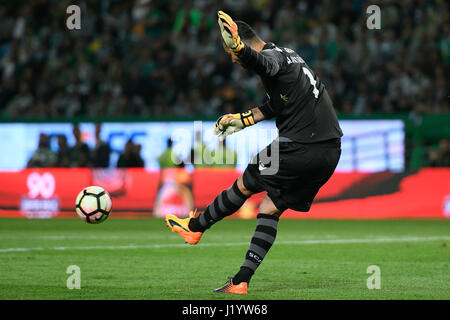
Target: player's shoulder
x=271, y=48
x=274, y=52
x=282, y=53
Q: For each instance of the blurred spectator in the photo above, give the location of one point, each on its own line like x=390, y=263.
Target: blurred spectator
x=63, y=155
x=79, y=153
x=444, y=151
x=440, y=157
x=160, y=58
x=140, y=161
x=169, y=159
x=201, y=155
x=102, y=151
x=130, y=157
x=43, y=157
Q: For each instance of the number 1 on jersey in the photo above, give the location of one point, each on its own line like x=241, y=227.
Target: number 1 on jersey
x=312, y=81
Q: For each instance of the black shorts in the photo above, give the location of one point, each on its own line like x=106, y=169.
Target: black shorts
x=302, y=170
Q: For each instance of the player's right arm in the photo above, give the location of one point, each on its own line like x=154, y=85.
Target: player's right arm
x=234, y=122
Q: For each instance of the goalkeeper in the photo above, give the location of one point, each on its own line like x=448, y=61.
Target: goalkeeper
x=308, y=147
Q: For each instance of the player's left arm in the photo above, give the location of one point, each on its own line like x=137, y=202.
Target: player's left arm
x=266, y=63
x=234, y=122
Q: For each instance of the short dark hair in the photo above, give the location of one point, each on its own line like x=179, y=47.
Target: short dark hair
x=245, y=31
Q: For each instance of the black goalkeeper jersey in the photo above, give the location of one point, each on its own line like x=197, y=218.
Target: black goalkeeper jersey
x=297, y=98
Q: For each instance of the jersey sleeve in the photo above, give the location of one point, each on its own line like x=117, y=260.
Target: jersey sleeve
x=266, y=110
x=266, y=63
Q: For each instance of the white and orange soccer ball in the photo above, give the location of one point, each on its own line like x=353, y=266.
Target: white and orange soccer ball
x=93, y=204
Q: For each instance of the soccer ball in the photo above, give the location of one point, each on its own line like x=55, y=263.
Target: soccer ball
x=93, y=204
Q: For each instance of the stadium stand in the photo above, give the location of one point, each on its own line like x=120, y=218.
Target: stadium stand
x=142, y=57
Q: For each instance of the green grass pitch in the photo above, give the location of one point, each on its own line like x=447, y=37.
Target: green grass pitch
x=142, y=259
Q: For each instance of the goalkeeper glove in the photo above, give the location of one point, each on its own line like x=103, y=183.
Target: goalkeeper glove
x=229, y=31
x=231, y=123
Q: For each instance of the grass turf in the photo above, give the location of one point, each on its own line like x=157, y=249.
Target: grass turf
x=142, y=259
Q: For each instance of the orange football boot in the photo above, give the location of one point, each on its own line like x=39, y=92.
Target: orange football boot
x=229, y=287
x=181, y=226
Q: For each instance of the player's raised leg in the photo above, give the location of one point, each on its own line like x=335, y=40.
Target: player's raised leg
x=262, y=240
x=225, y=204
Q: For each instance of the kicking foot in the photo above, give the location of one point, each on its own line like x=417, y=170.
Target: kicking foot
x=229, y=287
x=181, y=226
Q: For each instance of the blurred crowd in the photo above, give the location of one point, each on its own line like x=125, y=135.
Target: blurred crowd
x=80, y=155
x=439, y=156
x=154, y=58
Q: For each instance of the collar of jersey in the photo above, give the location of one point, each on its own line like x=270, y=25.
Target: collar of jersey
x=269, y=45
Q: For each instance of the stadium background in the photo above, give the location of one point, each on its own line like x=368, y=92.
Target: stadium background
x=141, y=68
x=158, y=63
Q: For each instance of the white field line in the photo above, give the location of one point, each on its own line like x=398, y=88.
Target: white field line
x=231, y=244
x=128, y=237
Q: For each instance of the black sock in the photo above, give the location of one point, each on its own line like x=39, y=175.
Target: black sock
x=263, y=238
x=244, y=275
x=225, y=204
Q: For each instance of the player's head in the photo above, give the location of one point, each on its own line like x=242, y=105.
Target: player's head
x=249, y=37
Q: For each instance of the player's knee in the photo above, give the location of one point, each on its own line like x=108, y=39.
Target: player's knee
x=242, y=188
x=268, y=207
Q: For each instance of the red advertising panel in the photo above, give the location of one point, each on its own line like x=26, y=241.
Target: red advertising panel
x=140, y=192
